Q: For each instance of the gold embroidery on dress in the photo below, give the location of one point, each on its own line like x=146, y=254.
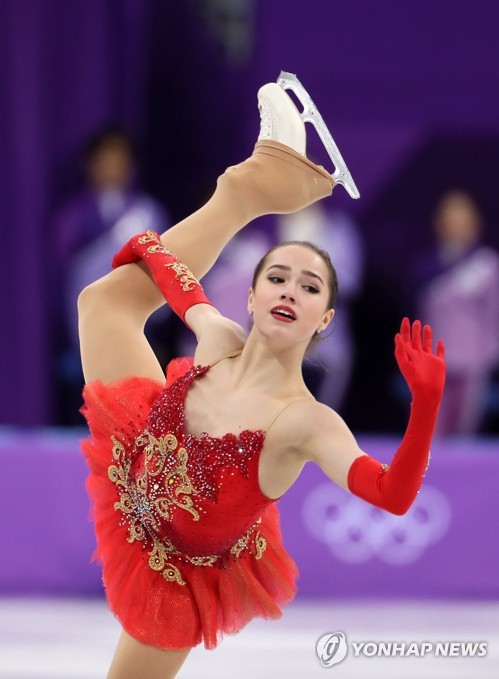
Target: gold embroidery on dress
x=158, y=562
x=140, y=512
x=241, y=544
x=385, y=467
x=208, y=560
x=177, y=483
x=136, y=530
x=261, y=545
x=118, y=475
x=125, y=504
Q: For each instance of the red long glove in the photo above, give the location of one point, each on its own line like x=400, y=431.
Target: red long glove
x=175, y=281
x=394, y=488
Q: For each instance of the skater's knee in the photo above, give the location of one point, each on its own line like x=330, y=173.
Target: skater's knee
x=92, y=296
x=104, y=296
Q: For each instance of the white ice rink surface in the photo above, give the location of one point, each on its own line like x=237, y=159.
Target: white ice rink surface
x=74, y=639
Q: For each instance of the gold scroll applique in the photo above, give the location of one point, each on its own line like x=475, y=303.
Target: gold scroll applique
x=183, y=274
x=260, y=545
x=238, y=547
x=251, y=538
x=158, y=249
x=148, y=237
x=158, y=561
x=149, y=498
x=173, y=485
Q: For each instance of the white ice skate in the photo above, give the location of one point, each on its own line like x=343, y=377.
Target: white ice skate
x=310, y=114
x=280, y=119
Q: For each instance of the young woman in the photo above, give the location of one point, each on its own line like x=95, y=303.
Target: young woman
x=184, y=476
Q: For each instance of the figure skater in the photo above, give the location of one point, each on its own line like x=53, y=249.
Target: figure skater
x=184, y=475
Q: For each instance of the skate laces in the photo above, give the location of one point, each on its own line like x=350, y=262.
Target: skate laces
x=267, y=124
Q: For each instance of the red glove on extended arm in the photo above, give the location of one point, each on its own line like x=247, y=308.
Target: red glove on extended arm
x=174, y=280
x=394, y=488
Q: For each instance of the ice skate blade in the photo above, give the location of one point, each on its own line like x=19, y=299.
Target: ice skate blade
x=310, y=114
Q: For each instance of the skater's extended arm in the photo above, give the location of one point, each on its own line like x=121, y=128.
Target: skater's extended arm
x=393, y=487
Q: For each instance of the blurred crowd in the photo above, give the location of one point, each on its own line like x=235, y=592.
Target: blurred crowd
x=453, y=285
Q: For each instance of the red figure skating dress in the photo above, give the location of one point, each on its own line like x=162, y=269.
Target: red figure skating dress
x=190, y=547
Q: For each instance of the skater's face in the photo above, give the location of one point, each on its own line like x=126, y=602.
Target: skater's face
x=289, y=301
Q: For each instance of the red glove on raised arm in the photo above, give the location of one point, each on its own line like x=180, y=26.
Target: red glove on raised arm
x=394, y=488
x=174, y=280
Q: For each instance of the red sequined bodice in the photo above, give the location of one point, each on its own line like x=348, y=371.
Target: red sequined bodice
x=198, y=495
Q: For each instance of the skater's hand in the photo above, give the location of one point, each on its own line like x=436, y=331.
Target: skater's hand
x=423, y=370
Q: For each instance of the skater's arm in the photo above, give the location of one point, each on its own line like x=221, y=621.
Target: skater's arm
x=216, y=335
x=393, y=487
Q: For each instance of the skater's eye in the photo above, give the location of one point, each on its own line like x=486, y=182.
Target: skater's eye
x=311, y=288
x=276, y=279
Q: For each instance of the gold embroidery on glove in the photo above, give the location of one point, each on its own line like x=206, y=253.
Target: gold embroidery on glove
x=185, y=276
x=187, y=279
x=158, y=249
x=148, y=237
x=151, y=237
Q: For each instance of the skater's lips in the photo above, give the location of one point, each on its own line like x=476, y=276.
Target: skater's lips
x=283, y=313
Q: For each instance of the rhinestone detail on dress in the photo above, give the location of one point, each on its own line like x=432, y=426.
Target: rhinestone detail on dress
x=169, y=481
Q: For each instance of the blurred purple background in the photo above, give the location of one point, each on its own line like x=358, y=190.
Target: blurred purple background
x=411, y=94
x=409, y=89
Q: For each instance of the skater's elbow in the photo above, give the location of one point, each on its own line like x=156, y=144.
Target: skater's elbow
x=90, y=297
x=398, y=505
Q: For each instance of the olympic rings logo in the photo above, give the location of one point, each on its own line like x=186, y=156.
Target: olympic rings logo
x=356, y=532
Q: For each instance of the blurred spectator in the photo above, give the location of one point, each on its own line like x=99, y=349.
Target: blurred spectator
x=97, y=220
x=91, y=227
x=458, y=295
x=336, y=233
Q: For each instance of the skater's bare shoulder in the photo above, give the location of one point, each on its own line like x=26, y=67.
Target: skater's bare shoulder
x=216, y=335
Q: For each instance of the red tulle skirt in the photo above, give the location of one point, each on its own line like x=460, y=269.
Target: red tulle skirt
x=214, y=601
